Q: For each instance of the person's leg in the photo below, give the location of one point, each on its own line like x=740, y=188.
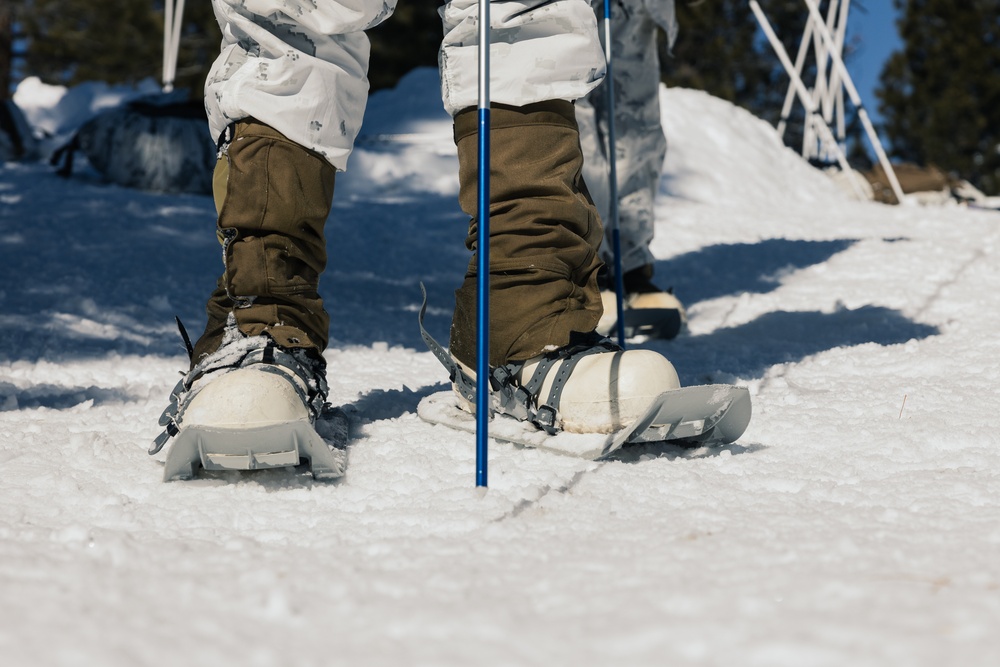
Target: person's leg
x=640, y=150
x=640, y=143
x=286, y=99
x=274, y=199
x=544, y=234
x=544, y=229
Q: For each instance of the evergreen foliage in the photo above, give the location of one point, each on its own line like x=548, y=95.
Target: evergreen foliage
x=76, y=40
x=940, y=95
x=6, y=48
x=722, y=50
x=117, y=41
x=121, y=41
x=199, y=46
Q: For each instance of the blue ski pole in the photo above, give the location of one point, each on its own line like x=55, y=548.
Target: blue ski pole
x=483, y=253
x=616, y=244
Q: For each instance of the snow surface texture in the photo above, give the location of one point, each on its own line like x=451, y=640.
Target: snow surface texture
x=857, y=521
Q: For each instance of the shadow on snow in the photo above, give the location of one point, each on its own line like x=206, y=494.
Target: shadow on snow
x=748, y=350
x=112, y=285
x=728, y=269
x=56, y=397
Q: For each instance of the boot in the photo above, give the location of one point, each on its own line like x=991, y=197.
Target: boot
x=250, y=404
x=257, y=384
x=549, y=367
x=648, y=310
x=591, y=386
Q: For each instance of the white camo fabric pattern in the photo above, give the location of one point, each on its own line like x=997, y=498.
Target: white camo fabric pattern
x=300, y=66
x=641, y=145
x=539, y=50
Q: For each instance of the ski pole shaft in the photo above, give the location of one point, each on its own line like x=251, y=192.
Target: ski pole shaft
x=616, y=244
x=483, y=253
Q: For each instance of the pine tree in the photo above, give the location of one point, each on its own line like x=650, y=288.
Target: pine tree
x=409, y=38
x=199, y=46
x=719, y=50
x=72, y=41
x=117, y=41
x=940, y=95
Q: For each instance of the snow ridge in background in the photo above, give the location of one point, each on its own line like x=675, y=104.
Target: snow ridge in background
x=720, y=154
x=57, y=112
x=857, y=522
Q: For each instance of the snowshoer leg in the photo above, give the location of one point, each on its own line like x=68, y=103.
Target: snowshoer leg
x=257, y=384
x=549, y=367
x=544, y=234
x=296, y=85
x=641, y=146
x=272, y=236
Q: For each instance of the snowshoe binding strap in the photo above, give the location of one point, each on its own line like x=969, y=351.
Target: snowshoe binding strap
x=508, y=395
x=463, y=383
x=188, y=347
x=517, y=399
x=241, y=352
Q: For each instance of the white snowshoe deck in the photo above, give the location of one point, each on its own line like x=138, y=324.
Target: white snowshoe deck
x=274, y=446
x=703, y=415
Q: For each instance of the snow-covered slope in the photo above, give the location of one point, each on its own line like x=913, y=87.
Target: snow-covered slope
x=857, y=522
x=722, y=155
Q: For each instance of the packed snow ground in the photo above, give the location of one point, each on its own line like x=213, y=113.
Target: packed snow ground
x=856, y=522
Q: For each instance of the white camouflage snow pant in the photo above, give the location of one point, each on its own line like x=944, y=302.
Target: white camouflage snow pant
x=641, y=145
x=300, y=66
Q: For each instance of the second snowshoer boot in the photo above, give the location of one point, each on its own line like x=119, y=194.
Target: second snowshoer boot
x=549, y=367
x=648, y=310
x=256, y=390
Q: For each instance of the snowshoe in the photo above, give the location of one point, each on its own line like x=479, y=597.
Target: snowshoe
x=589, y=399
x=252, y=405
x=704, y=415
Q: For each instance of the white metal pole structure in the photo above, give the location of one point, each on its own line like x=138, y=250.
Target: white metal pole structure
x=483, y=413
x=808, y=101
x=173, y=16
x=852, y=92
x=837, y=86
x=828, y=91
x=800, y=60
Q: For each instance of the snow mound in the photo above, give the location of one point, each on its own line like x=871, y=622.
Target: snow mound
x=718, y=153
x=723, y=155
x=56, y=112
